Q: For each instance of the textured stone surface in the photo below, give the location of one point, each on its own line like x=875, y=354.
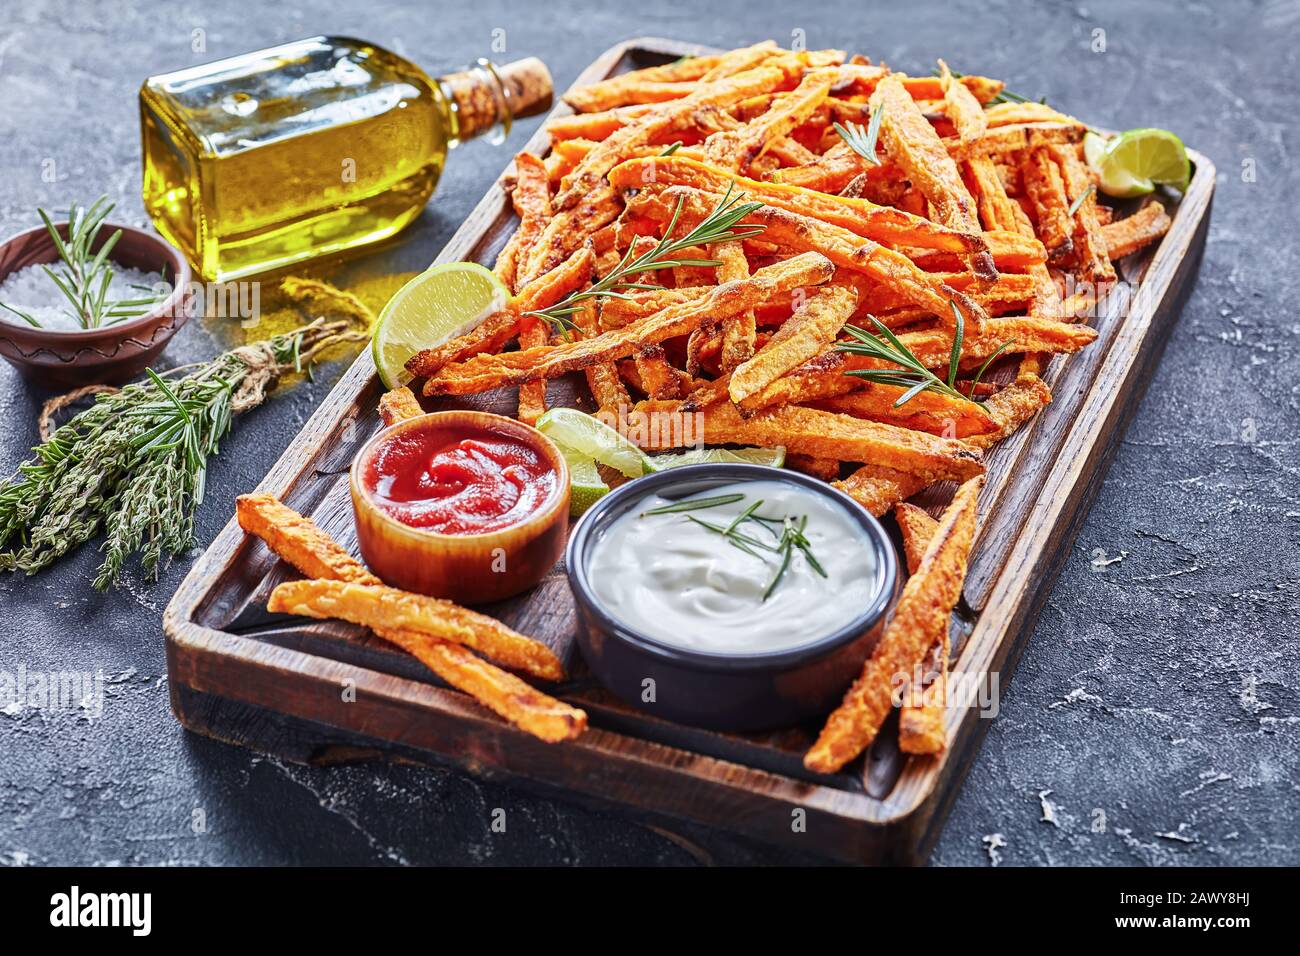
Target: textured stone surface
x=1154, y=717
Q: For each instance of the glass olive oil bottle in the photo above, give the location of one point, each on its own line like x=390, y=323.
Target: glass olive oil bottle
x=266, y=159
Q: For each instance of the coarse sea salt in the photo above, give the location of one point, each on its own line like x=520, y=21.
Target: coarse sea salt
x=34, y=292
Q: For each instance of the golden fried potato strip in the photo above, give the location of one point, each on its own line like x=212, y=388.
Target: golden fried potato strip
x=531, y=199
x=298, y=540
x=878, y=489
x=832, y=171
x=824, y=376
x=997, y=209
x=1045, y=188
x=927, y=412
x=378, y=606
x=882, y=223
x=842, y=247
x=916, y=148
x=532, y=395
x=1126, y=236
x=602, y=378
x=920, y=722
x=1091, y=260
x=567, y=230
x=811, y=431
x=398, y=405
x=827, y=469
x=1006, y=114
x=589, y=174
x=503, y=693
x=497, y=329
x=594, y=126
x=1018, y=137
x=656, y=377
x=918, y=528
x=613, y=92
x=964, y=111
x=492, y=371
x=736, y=149
x=738, y=331
x=741, y=59
x=922, y=614
x=806, y=333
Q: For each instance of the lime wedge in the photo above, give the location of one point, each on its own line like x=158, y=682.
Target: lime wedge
x=446, y=301
x=579, y=432
x=1136, y=161
x=773, y=457
x=1094, y=147
x=585, y=484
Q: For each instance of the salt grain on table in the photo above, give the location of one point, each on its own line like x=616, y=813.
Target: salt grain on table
x=32, y=291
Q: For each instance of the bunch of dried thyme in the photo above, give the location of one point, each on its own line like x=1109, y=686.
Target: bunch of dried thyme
x=133, y=464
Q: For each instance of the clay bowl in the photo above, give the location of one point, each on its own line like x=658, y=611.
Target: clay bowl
x=110, y=355
x=466, y=568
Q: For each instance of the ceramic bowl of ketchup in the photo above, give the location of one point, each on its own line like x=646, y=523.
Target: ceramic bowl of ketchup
x=462, y=505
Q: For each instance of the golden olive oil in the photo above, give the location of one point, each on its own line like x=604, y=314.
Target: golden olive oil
x=263, y=160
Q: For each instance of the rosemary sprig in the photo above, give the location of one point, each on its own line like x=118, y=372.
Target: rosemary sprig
x=974, y=383
x=792, y=535
x=1083, y=196
x=719, y=226
x=133, y=464
x=1005, y=96
x=734, y=537
x=787, y=551
x=863, y=142
x=84, y=277
x=694, y=504
x=911, y=374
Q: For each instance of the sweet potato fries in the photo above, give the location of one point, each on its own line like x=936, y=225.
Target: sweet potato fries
x=437, y=632
x=710, y=238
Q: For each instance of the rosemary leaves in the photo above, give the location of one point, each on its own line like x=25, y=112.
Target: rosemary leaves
x=782, y=536
x=133, y=465
x=910, y=373
x=85, y=278
x=863, y=142
x=719, y=226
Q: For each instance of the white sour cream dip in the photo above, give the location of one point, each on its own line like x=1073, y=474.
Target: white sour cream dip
x=667, y=577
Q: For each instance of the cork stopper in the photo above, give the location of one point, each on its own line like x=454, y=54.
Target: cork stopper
x=487, y=96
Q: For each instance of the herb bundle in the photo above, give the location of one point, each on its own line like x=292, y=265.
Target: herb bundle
x=133, y=464
x=718, y=226
x=790, y=538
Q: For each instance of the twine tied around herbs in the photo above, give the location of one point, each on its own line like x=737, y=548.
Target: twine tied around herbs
x=133, y=465
x=259, y=357
x=59, y=402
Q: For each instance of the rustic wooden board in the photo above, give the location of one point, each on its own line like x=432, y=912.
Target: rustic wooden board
x=273, y=683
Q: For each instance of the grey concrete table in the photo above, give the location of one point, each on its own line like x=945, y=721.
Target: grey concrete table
x=1154, y=717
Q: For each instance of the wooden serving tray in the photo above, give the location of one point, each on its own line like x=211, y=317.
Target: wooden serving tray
x=275, y=683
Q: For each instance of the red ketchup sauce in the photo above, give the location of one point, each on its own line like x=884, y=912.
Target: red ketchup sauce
x=458, y=480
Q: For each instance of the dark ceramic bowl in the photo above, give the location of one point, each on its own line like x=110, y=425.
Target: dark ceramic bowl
x=113, y=354
x=723, y=691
